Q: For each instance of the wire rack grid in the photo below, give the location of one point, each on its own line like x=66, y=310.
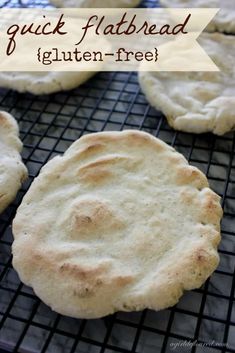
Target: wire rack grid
x=204, y=319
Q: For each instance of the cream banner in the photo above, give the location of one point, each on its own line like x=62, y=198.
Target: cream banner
x=104, y=39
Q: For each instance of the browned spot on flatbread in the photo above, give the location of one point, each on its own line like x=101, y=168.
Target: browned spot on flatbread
x=3, y=120
x=101, y=169
x=84, y=272
x=90, y=150
x=188, y=175
x=105, y=161
x=92, y=216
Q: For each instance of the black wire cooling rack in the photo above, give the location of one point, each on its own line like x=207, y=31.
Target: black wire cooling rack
x=204, y=319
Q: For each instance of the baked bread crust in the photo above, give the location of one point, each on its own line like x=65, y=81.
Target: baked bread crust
x=197, y=102
x=43, y=82
x=223, y=22
x=119, y=222
x=12, y=170
x=48, y=82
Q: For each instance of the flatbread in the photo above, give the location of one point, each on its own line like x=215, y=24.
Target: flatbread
x=43, y=82
x=119, y=222
x=197, y=101
x=224, y=21
x=47, y=82
x=12, y=170
x=95, y=3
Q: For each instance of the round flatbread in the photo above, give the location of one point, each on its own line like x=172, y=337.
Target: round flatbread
x=12, y=170
x=47, y=82
x=197, y=101
x=119, y=222
x=95, y=3
x=223, y=22
x=43, y=82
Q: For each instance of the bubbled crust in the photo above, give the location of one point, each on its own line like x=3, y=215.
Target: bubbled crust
x=12, y=170
x=197, y=102
x=119, y=222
